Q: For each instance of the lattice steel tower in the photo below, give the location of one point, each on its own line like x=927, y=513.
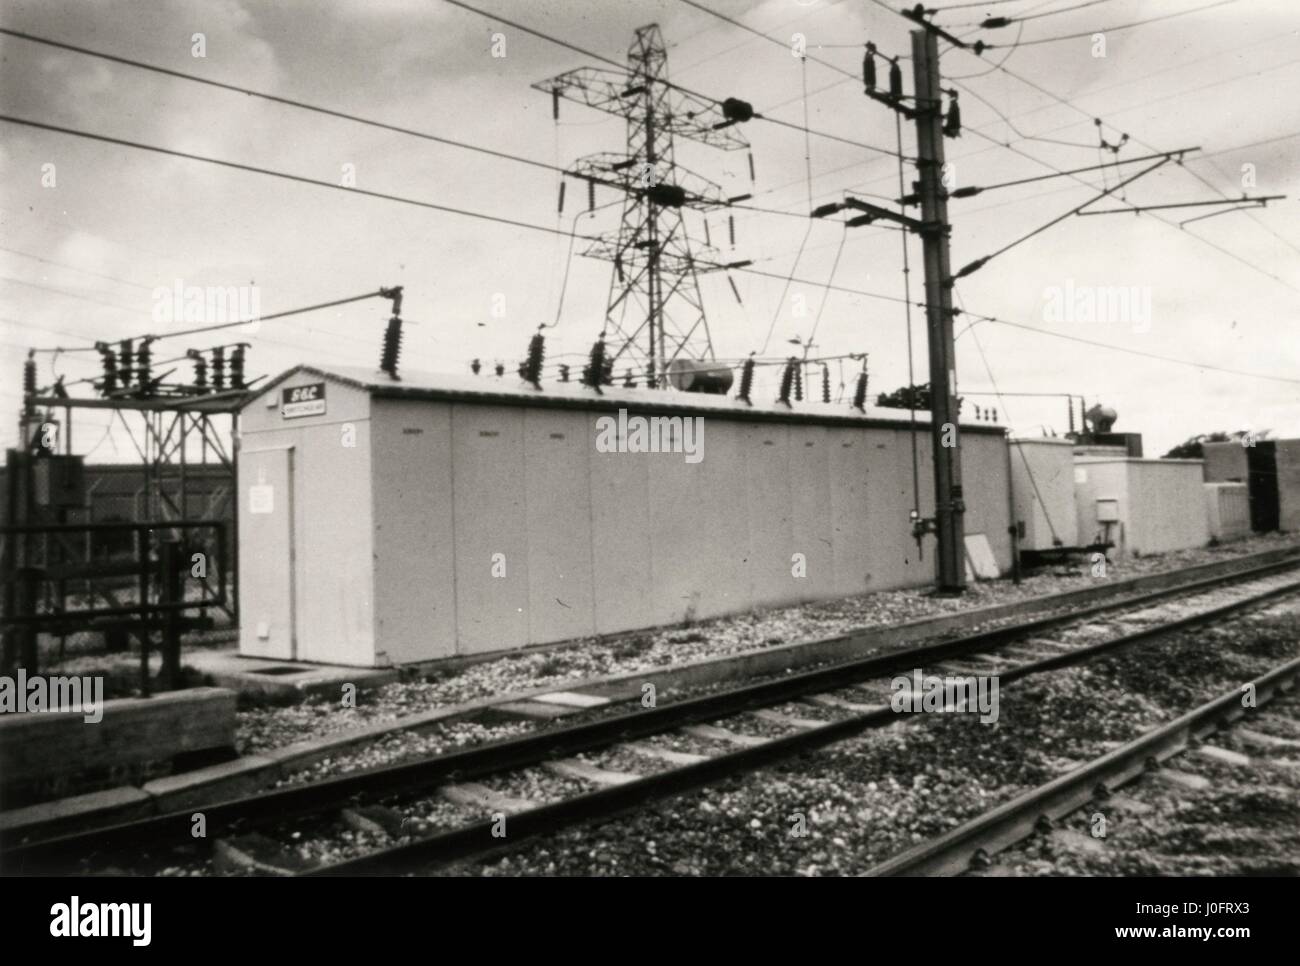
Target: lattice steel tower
x=654, y=313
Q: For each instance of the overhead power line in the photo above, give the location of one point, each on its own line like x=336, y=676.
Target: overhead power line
x=1115, y=28
x=488, y=14
x=449, y=209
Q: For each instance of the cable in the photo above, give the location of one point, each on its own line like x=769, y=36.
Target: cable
x=1135, y=352
x=84, y=271
x=1115, y=28
x=623, y=67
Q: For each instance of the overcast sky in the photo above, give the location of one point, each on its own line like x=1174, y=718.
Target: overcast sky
x=80, y=259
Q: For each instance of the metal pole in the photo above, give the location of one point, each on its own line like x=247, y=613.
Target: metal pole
x=949, y=509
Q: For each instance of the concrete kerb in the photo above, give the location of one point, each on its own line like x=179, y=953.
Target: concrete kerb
x=264, y=769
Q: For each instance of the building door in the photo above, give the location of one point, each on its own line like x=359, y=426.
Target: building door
x=267, y=617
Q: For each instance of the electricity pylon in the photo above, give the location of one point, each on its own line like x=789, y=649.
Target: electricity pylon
x=654, y=313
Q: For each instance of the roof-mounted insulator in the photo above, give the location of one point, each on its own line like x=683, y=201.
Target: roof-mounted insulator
x=392, y=347
x=869, y=69
x=500, y=369
x=107, y=358
x=219, y=368
x=536, y=353
x=952, y=125
x=895, y=80
x=860, y=392
x=564, y=372
x=977, y=412
x=237, y=367
x=29, y=381
x=476, y=367
x=798, y=381
x=200, y=370
x=787, y=381
x=126, y=361
x=628, y=381
x=594, y=372
x=746, y=380
x=826, y=383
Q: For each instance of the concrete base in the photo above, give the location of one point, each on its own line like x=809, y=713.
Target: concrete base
x=282, y=680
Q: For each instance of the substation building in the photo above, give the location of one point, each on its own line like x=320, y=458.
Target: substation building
x=391, y=521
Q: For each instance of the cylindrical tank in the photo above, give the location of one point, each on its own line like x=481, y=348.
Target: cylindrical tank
x=690, y=375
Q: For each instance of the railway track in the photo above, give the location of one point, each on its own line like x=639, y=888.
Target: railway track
x=973, y=844
x=792, y=714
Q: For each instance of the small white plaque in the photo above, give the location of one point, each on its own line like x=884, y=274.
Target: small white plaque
x=261, y=498
x=1080, y=475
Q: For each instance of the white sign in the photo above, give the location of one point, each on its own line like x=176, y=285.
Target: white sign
x=1080, y=475
x=299, y=401
x=261, y=498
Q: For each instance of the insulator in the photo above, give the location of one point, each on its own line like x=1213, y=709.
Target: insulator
x=555, y=103
x=144, y=365
x=59, y=391
x=977, y=411
x=707, y=240
x=746, y=379
x=109, y=360
x=29, y=383
x=952, y=126
x=607, y=374
x=798, y=382
x=392, y=346
x=560, y=207
x=826, y=383
x=734, y=291
x=731, y=229
x=995, y=415
x=219, y=368
x=591, y=195
x=751, y=166
x=475, y=367
x=869, y=68
x=628, y=381
x=618, y=268
x=200, y=372
x=237, y=368
x=860, y=391
x=536, y=353
x=500, y=369
x=667, y=195
x=787, y=381
x=126, y=360
x=895, y=81
x=564, y=372
x=594, y=372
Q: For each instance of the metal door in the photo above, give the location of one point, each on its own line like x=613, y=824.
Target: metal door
x=268, y=621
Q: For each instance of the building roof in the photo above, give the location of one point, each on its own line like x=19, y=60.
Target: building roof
x=510, y=390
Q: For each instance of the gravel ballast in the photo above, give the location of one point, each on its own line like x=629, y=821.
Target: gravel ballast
x=271, y=727
x=850, y=806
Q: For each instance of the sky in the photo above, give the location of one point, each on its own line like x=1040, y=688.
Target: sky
x=83, y=253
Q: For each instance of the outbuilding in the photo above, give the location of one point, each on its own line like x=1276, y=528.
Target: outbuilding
x=390, y=521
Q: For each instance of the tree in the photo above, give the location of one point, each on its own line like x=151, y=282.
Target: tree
x=1193, y=447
